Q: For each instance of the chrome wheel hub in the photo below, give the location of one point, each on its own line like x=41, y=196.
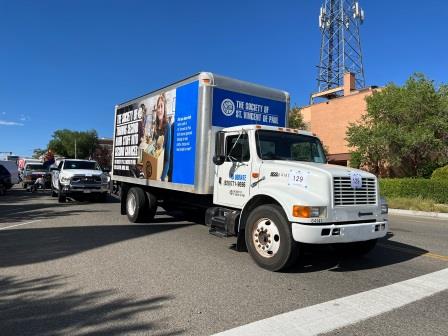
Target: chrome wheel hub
x=131, y=204
x=266, y=237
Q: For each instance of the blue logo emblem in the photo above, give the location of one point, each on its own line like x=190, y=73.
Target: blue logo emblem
x=227, y=107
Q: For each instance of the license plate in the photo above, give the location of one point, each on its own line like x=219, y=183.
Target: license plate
x=87, y=191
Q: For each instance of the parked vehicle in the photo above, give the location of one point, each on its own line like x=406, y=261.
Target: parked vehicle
x=79, y=178
x=32, y=171
x=5, y=179
x=222, y=145
x=11, y=166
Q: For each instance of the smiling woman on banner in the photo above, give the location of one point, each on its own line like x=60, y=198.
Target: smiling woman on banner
x=162, y=135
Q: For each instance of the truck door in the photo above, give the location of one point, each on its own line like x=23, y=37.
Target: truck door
x=55, y=176
x=232, y=178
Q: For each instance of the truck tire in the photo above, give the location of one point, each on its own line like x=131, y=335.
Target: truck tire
x=53, y=192
x=269, y=238
x=151, y=207
x=61, y=197
x=355, y=249
x=136, y=205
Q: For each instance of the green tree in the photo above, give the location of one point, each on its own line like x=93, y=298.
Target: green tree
x=405, y=129
x=295, y=119
x=38, y=152
x=63, y=143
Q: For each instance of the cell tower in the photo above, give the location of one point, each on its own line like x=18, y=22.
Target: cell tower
x=340, y=51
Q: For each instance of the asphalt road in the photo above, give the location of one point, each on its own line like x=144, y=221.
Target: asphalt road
x=82, y=269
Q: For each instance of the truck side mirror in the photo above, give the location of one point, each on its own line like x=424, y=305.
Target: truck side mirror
x=218, y=159
x=220, y=150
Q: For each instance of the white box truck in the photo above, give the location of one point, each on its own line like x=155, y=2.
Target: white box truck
x=222, y=146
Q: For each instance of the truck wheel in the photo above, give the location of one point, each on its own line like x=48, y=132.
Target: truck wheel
x=151, y=207
x=136, y=205
x=355, y=249
x=269, y=238
x=53, y=192
x=61, y=197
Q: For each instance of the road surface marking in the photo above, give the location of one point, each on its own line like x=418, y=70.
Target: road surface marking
x=335, y=314
x=415, y=252
x=8, y=227
x=436, y=256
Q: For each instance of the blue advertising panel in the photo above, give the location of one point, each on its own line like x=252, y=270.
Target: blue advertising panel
x=185, y=133
x=233, y=108
x=155, y=138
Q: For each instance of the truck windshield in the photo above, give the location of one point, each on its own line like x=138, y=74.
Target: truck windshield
x=81, y=165
x=274, y=145
x=35, y=167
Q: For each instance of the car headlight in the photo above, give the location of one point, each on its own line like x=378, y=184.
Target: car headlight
x=105, y=179
x=308, y=211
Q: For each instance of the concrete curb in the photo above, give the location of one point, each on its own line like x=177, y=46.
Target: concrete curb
x=440, y=215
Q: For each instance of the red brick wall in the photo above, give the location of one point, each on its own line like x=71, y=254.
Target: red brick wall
x=330, y=119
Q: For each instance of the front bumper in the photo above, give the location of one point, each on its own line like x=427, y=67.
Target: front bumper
x=335, y=233
x=85, y=189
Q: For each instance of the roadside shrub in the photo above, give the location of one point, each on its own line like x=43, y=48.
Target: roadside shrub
x=435, y=189
x=440, y=173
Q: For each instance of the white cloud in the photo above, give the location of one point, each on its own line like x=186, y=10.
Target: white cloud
x=9, y=123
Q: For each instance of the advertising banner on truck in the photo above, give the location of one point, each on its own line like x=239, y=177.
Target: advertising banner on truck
x=234, y=108
x=155, y=138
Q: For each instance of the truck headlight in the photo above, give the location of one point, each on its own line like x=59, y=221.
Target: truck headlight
x=65, y=180
x=384, y=206
x=308, y=211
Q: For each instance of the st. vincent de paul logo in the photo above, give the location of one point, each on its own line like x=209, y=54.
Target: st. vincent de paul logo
x=227, y=107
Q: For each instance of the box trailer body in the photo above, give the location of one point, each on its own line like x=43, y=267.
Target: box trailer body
x=222, y=145
x=194, y=113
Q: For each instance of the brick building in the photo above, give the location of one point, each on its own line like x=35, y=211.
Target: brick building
x=330, y=119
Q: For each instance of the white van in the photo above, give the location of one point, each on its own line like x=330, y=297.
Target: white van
x=13, y=170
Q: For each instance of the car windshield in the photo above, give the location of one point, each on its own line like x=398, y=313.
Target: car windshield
x=91, y=165
x=274, y=145
x=35, y=167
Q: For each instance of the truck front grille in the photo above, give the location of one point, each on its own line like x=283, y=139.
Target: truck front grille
x=86, y=179
x=344, y=194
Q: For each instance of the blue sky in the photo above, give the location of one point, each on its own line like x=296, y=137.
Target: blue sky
x=65, y=64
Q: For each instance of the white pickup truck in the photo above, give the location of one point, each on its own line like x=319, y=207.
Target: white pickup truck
x=79, y=179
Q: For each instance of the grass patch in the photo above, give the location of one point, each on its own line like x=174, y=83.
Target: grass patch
x=417, y=203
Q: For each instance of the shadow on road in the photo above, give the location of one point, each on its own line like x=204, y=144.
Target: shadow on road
x=41, y=306
x=15, y=209
x=28, y=246
x=41, y=212
x=317, y=258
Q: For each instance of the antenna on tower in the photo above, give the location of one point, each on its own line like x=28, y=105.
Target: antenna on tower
x=340, y=52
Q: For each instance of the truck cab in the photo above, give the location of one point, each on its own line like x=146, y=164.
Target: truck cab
x=279, y=181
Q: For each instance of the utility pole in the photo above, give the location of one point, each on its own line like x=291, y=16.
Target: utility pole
x=75, y=149
x=340, y=51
